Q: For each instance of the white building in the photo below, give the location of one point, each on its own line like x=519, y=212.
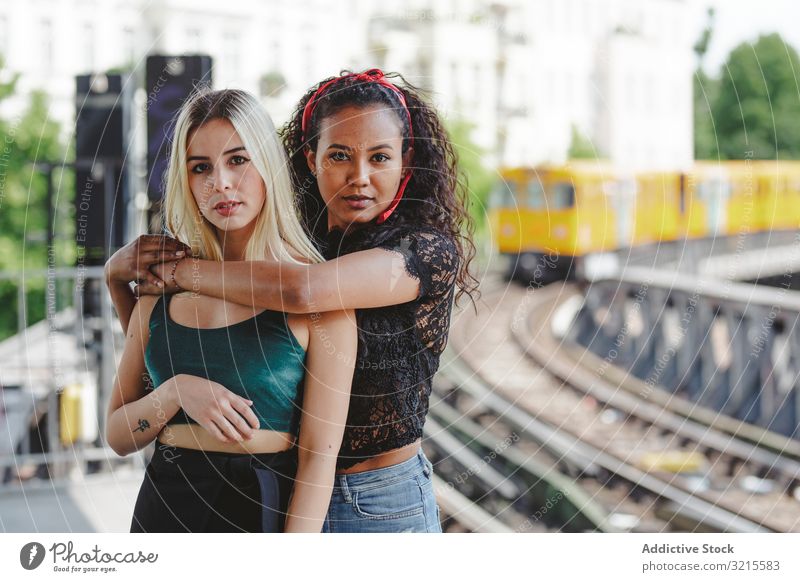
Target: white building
x=51, y=41
x=523, y=72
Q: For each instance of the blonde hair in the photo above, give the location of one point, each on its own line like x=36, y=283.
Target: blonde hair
x=278, y=231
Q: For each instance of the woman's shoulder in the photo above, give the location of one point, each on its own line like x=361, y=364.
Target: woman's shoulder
x=409, y=230
x=414, y=226
x=325, y=326
x=424, y=239
x=433, y=255
x=403, y=236
x=145, y=305
x=184, y=298
x=139, y=325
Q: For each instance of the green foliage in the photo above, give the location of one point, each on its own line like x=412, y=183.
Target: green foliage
x=478, y=178
x=755, y=107
x=701, y=46
x=271, y=84
x=26, y=139
x=7, y=87
x=581, y=147
x=706, y=90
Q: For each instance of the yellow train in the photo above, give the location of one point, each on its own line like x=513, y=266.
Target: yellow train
x=549, y=218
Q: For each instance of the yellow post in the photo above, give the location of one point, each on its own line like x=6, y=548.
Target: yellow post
x=70, y=414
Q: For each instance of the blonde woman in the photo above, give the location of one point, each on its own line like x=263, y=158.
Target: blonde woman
x=247, y=406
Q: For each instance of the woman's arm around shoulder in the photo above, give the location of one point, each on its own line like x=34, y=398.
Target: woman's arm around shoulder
x=410, y=264
x=131, y=263
x=330, y=361
x=392, y=273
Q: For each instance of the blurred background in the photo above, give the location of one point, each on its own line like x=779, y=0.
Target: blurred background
x=544, y=100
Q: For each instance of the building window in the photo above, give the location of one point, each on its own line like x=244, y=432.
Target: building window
x=129, y=44
x=230, y=58
x=87, y=40
x=274, y=53
x=4, y=44
x=47, y=45
x=477, y=90
x=650, y=95
x=308, y=53
x=194, y=40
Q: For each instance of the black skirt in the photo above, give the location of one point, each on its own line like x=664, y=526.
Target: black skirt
x=186, y=490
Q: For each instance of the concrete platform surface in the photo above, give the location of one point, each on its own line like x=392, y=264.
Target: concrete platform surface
x=101, y=503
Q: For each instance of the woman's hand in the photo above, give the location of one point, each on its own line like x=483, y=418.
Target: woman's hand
x=132, y=262
x=227, y=416
x=164, y=272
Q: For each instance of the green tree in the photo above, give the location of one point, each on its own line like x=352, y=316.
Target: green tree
x=705, y=91
x=757, y=109
x=272, y=84
x=28, y=138
x=478, y=178
x=581, y=147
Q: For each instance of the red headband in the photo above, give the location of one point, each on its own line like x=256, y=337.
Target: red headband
x=370, y=76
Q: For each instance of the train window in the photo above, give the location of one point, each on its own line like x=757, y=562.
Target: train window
x=561, y=195
x=536, y=194
x=683, y=194
x=502, y=195
x=714, y=189
x=626, y=187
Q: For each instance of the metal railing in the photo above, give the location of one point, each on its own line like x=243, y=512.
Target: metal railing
x=729, y=346
x=57, y=375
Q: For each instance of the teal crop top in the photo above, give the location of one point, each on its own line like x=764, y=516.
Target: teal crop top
x=259, y=359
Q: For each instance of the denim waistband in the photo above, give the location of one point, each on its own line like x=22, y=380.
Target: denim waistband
x=416, y=465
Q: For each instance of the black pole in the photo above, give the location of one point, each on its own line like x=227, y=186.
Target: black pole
x=51, y=221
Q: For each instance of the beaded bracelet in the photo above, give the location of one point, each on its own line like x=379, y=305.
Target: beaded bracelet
x=172, y=273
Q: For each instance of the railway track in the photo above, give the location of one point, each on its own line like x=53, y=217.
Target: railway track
x=505, y=374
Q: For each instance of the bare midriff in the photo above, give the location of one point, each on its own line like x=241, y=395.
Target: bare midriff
x=387, y=459
x=192, y=436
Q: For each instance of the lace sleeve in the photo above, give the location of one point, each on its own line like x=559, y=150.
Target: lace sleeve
x=428, y=256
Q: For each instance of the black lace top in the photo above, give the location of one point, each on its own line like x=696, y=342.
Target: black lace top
x=398, y=346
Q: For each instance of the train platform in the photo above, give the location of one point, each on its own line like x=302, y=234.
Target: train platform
x=94, y=504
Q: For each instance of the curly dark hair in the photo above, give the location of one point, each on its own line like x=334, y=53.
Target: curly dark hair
x=436, y=195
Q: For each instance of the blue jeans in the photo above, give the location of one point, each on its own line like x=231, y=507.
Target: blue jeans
x=398, y=498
